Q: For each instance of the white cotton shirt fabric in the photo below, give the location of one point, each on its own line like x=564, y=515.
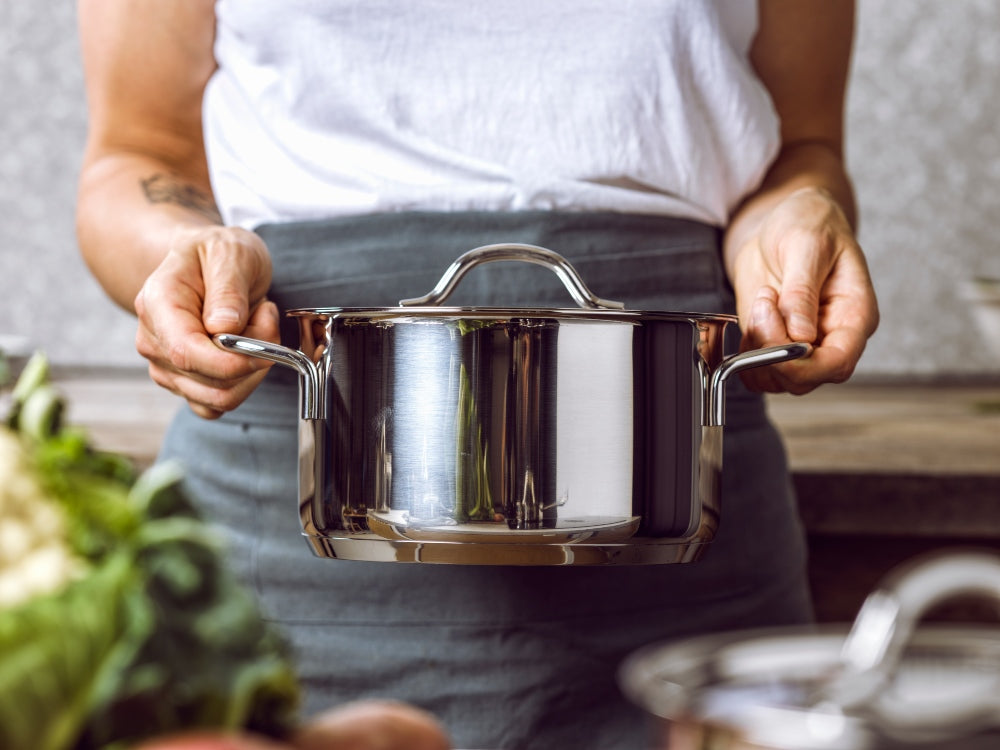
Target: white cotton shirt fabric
x=327, y=108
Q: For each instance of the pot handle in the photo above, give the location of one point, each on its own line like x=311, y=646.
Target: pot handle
x=311, y=395
x=884, y=626
x=771, y=355
x=514, y=251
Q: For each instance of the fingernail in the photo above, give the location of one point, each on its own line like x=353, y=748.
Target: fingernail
x=760, y=310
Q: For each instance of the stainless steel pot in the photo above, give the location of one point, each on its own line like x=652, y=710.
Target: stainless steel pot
x=590, y=435
x=883, y=684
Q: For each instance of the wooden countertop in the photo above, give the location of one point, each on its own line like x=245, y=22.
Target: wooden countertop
x=944, y=430
x=904, y=459
x=895, y=459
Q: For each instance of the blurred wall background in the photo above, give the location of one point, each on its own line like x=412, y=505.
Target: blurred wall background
x=923, y=146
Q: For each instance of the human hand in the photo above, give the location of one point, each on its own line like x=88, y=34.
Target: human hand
x=366, y=725
x=212, y=280
x=803, y=277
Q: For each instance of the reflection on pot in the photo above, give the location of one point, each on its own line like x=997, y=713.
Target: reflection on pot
x=885, y=684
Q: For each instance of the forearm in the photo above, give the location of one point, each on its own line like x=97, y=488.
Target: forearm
x=799, y=166
x=130, y=209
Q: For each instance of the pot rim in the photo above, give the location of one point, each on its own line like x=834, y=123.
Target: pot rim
x=769, y=671
x=498, y=313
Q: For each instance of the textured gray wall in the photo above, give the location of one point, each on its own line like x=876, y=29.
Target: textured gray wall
x=46, y=292
x=923, y=146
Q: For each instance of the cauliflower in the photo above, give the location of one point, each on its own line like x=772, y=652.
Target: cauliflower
x=35, y=557
x=119, y=620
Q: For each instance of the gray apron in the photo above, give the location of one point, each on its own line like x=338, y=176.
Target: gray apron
x=506, y=657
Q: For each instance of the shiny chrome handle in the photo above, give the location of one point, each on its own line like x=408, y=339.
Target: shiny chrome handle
x=514, y=251
x=872, y=652
x=716, y=407
x=311, y=399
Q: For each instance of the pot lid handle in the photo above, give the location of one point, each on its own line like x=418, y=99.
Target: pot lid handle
x=873, y=650
x=514, y=251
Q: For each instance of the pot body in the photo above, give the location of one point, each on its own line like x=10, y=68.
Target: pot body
x=584, y=436
x=459, y=426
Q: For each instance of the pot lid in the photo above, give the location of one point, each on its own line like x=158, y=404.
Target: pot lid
x=589, y=304
x=884, y=683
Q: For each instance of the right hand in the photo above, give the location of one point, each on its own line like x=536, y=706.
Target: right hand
x=213, y=280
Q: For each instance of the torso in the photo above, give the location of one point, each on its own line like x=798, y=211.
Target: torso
x=325, y=108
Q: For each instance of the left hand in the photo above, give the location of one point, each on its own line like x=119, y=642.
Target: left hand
x=803, y=277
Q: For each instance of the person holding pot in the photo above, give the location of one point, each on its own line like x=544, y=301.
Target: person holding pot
x=247, y=158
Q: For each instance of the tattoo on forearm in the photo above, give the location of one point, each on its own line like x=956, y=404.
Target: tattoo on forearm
x=165, y=188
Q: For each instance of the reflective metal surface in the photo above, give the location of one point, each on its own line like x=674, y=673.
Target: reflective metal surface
x=576, y=287
x=443, y=428
x=883, y=684
x=510, y=436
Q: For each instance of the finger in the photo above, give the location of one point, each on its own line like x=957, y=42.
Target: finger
x=766, y=325
x=235, y=272
x=848, y=317
x=205, y=412
x=837, y=355
x=186, y=362
x=827, y=363
x=209, y=399
x=265, y=322
x=193, y=355
x=799, y=296
x=171, y=334
x=762, y=379
x=227, y=307
x=215, y=368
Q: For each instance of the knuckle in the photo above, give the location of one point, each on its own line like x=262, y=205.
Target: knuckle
x=143, y=345
x=802, y=293
x=842, y=374
x=205, y=412
x=159, y=377
x=801, y=389
x=220, y=400
x=179, y=355
x=139, y=302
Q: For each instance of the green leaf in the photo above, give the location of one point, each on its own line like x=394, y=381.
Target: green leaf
x=34, y=374
x=159, y=637
x=41, y=413
x=62, y=654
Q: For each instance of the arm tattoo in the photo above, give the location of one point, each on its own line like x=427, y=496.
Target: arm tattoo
x=164, y=188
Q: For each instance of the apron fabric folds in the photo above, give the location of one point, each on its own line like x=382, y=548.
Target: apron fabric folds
x=506, y=657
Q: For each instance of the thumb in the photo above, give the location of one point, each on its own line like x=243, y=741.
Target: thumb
x=227, y=301
x=766, y=326
x=798, y=301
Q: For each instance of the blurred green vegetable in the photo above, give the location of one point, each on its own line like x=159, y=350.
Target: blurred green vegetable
x=118, y=618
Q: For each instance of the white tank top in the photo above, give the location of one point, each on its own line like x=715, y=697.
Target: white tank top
x=325, y=108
